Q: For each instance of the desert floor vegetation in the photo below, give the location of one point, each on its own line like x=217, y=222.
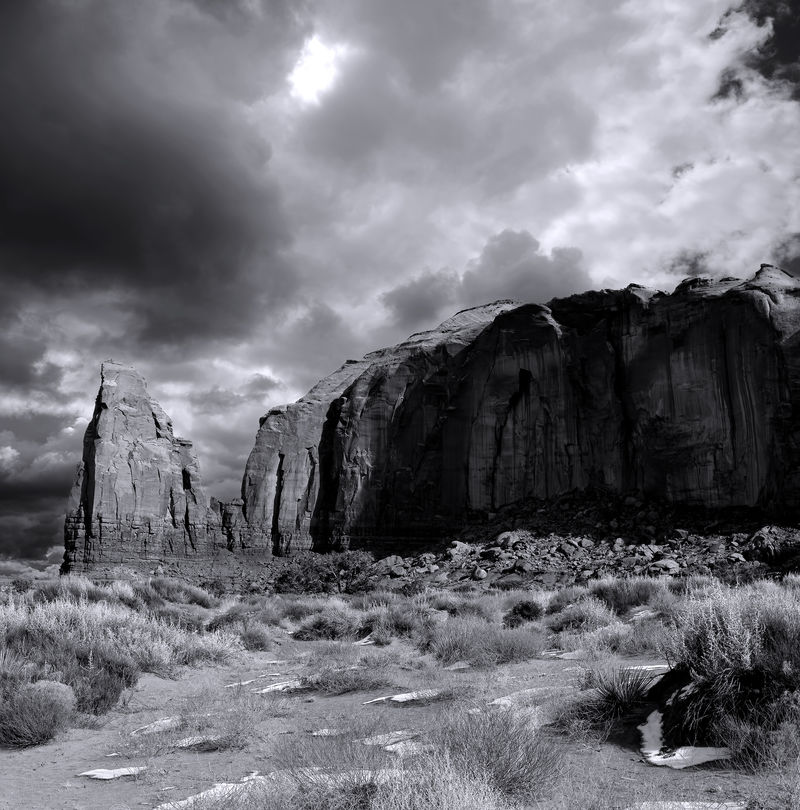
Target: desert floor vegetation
x=510, y=690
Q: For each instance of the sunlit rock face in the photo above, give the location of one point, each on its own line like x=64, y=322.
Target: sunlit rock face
x=692, y=397
x=138, y=494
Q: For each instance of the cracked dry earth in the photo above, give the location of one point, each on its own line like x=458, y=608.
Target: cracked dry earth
x=274, y=727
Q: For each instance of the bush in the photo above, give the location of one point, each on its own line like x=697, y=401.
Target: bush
x=334, y=572
x=482, y=644
x=261, y=611
x=255, y=637
x=586, y=615
x=333, y=681
x=332, y=622
x=503, y=746
x=565, y=597
x=174, y=590
x=742, y=648
x=397, y=621
x=526, y=610
x=35, y=713
x=623, y=594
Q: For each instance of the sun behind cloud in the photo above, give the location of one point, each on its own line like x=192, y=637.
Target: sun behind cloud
x=316, y=69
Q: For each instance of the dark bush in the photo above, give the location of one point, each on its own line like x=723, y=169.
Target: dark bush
x=526, y=610
x=331, y=623
x=335, y=572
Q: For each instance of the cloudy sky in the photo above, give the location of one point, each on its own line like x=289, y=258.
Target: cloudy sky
x=235, y=196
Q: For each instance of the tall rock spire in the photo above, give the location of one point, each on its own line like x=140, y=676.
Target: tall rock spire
x=138, y=495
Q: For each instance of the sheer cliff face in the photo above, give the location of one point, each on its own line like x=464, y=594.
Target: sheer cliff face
x=693, y=397
x=138, y=493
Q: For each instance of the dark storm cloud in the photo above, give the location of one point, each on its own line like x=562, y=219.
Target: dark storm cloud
x=422, y=298
x=511, y=265
x=126, y=167
x=776, y=58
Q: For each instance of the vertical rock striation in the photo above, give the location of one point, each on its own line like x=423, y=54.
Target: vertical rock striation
x=138, y=493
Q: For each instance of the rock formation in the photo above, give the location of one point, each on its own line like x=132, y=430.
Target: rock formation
x=138, y=494
x=691, y=398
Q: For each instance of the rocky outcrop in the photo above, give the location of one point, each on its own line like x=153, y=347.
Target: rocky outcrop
x=692, y=397
x=305, y=467
x=138, y=495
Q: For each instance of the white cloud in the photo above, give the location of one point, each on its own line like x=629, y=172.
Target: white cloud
x=8, y=458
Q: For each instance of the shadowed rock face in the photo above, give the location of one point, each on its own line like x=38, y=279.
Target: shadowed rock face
x=692, y=397
x=138, y=493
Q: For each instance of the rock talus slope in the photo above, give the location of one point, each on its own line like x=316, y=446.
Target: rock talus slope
x=138, y=493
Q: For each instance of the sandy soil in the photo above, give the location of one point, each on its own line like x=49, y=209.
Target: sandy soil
x=46, y=777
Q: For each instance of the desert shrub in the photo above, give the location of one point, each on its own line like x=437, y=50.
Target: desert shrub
x=742, y=647
x=397, y=621
x=585, y=615
x=480, y=643
x=262, y=611
x=174, y=590
x=295, y=609
x=331, y=622
x=693, y=585
x=622, y=594
x=612, y=695
x=70, y=587
x=435, y=785
x=180, y=616
x=565, y=597
x=503, y=746
x=335, y=572
x=14, y=671
x=21, y=584
x=379, y=598
x=526, y=610
x=769, y=740
x=469, y=604
x=334, y=681
x=255, y=637
x=35, y=713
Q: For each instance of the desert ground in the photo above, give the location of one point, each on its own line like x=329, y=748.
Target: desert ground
x=508, y=699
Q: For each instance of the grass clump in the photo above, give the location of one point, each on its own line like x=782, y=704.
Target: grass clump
x=585, y=615
x=35, y=713
x=620, y=595
x=504, y=748
x=335, y=681
x=613, y=695
x=482, y=644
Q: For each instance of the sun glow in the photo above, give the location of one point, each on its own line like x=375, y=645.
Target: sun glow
x=316, y=70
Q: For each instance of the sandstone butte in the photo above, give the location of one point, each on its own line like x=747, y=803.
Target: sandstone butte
x=691, y=397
